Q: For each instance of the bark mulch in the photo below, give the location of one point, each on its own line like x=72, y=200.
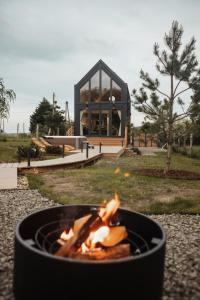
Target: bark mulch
x=174, y=174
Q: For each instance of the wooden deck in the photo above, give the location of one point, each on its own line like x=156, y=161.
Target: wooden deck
x=106, y=141
x=76, y=160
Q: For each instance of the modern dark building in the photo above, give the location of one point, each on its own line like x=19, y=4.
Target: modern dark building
x=102, y=103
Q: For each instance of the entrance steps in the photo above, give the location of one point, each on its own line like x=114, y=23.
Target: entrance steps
x=106, y=141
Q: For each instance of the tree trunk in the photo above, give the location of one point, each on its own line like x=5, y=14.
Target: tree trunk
x=184, y=141
x=169, y=150
x=191, y=143
x=170, y=129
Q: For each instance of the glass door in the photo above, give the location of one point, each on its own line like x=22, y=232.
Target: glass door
x=100, y=123
x=95, y=122
x=105, y=122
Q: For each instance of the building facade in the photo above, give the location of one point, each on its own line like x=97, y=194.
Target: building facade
x=102, y=103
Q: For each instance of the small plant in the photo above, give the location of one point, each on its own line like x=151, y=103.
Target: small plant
x=23, y=151
x=54, y=150
x=3, y=138
x=136, y=150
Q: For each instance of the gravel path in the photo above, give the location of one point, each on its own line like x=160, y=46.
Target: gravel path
x=182, y=275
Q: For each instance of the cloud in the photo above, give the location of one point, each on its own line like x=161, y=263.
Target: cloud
x=49, y=45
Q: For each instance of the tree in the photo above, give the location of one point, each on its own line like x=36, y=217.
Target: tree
x=49, y=118
x=6, y=97
x=180, y=66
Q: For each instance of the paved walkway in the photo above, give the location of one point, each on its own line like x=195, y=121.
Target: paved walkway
x=8, y=178
x=76, y=156
x=150, y=150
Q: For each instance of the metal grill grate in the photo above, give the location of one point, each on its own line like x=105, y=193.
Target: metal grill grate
x=47, y=235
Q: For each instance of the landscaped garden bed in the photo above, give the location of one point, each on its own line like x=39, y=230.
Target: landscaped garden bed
x=175, y=174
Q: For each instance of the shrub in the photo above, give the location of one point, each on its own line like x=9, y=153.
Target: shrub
x=186, y=151
x=54, y=150
x=3, y=138
x=136, y=150
x=22, y=151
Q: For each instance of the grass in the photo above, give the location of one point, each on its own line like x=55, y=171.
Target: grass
x=9, y=145
x=195, y=153
x=146, y=194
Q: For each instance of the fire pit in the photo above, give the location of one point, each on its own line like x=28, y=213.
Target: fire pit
x=129, y=263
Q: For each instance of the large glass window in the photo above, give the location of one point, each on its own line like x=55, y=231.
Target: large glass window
x=84, y=122
x=116, y=122
x=95, y=122
x=105, y=87
x=116, y=92
x=95, y=88
x=85, y=93
x=105, y=122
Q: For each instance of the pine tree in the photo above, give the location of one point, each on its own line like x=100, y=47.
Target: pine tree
x=180, y=66
x=48, y=117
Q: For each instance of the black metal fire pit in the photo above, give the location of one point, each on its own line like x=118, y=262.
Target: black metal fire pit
x=38, y=274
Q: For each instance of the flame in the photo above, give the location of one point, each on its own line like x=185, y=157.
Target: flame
x=84, y=248
x=110, y=209
x=100, y=234
x=66, y=236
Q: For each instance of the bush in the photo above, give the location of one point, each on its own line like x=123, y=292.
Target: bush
x=136, y=150
x=54, y=150
x=22, y=151
x=186, y=151
x=3, y=138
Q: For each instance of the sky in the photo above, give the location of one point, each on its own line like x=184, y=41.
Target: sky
x=47, y=46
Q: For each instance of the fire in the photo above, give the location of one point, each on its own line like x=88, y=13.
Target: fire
x=95, y=231
x=66, y=236
x=99, y=235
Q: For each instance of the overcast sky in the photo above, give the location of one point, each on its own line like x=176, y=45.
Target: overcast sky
x=48, y=46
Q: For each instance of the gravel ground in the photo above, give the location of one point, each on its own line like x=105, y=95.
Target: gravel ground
x=182, y=274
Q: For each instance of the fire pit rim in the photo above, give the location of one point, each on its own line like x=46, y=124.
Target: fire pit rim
x=79, y=261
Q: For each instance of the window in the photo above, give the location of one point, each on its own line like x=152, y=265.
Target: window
x=84, y=122
x=85, y=93
x=116, y=92
x=95, y=87
x=116, y=122
x=105, y=87
x=95, y=122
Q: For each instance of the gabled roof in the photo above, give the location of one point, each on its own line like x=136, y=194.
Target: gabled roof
x=101, y=65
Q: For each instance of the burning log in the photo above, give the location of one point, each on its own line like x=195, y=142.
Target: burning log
x=78, y=224
x=74, y=243
x=93, y=236
x=115, y=236
x=115, y=252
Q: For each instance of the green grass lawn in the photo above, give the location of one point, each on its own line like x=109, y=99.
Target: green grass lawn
x=8, y=147
x=186, y=151
x=146, y=194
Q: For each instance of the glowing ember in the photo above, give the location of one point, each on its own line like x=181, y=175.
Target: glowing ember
x=126, y=174
x=117, y=171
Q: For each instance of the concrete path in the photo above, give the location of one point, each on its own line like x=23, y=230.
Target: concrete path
x=8, y=177
x=77, y=156
x=150, y=150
